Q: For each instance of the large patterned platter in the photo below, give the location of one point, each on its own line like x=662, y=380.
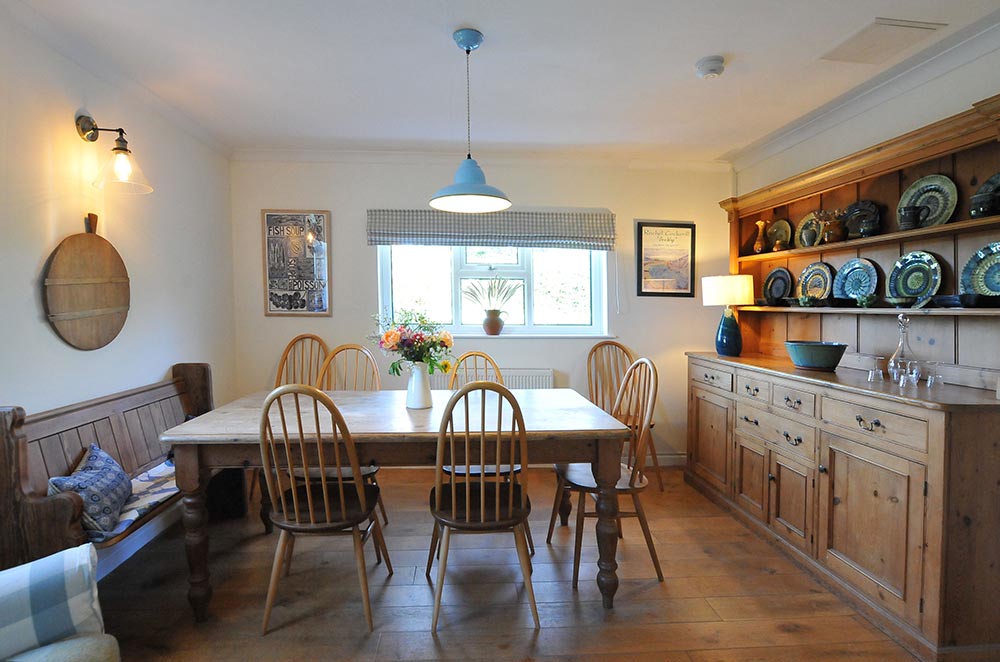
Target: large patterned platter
x=916, y=274
x=981, y=274
x=816, y=280
x=937, y=193
x=777, y=285
x=856, y=278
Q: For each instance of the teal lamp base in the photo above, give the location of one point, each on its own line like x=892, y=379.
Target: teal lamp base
x=728, y=339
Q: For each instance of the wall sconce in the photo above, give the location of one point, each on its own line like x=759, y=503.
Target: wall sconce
x=121, y=172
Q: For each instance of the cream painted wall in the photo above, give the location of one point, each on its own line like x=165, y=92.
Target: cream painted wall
x=175, y=242
x=945, y=86
x=661, y=328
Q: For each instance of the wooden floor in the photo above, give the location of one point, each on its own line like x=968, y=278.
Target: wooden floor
x=728, y=596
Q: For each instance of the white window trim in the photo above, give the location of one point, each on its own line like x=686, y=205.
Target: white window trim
x=598, y=296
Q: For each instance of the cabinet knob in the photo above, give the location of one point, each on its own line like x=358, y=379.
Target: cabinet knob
x=869, y=427
x=794, y=404
x=836, y=501
x=771, y=477
x=752, y=391
x=752, y=421
x=822, y=469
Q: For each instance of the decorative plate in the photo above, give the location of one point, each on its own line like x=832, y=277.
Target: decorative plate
x=816, y=280
x=780, y=230
x=916, y=274
x=809, y=231
x=777, y=285
x=937, y=193
x=856, y=278
x=861, y=219
x=981, y=274
x=991, y=185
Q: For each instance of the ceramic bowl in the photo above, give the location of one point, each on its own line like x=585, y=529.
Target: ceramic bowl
x=901, y=302
x=814, y=354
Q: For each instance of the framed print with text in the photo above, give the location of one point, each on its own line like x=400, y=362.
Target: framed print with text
x=664, y=259
x=296, y=262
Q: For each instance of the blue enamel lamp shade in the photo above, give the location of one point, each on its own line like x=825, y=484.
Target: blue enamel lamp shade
x=470, y=194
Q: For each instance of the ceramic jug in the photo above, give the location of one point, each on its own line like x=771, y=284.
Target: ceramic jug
x=913, y=217
x=834, y=230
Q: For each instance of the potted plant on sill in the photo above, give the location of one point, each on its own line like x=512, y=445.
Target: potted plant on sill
x=492, y=296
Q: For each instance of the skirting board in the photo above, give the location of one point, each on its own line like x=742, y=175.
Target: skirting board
x=109, y=558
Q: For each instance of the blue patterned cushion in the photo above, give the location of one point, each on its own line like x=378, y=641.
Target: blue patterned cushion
x=149, y=490
x=102, y=483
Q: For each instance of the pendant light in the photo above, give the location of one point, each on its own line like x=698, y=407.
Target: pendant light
x=469, y=194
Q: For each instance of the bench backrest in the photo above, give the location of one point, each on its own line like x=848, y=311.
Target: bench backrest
x=126, y=425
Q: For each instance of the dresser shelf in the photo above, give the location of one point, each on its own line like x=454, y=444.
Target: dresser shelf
x=947, y=229
x=912, y=312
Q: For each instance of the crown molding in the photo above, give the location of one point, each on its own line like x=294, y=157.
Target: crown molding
x=953, y=52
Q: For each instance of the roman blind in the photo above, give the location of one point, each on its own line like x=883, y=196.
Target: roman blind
x=590, y=229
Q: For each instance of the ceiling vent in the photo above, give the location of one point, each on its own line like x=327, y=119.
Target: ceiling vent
x=882, y=40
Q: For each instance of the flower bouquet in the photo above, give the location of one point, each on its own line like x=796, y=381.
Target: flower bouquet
x=416, y=339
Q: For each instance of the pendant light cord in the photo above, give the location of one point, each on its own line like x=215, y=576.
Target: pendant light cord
x=468, y=111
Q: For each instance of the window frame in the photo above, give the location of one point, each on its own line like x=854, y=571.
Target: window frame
x=525, y=268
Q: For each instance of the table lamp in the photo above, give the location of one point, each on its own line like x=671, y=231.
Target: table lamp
x=728, y=291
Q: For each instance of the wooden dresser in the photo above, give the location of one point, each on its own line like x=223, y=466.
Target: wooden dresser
x=892, y=496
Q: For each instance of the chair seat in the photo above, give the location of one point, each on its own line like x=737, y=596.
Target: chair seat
x=355, y=514
x=490, y=470
x=507, y=519
x=580, y=476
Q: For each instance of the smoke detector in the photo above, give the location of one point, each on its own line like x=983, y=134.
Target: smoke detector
x=710, y=66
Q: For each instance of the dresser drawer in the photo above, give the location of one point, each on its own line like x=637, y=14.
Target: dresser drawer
x=787, y=396
x=715, y=376
x=792, y=437
x=751, y=386
x=876, y=423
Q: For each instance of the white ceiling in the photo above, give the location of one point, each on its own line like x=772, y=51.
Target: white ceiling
x=605, y=77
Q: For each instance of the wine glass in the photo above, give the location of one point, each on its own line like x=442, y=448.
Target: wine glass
x=875, y=373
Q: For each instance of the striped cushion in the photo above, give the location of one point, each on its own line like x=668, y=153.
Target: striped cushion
x=149, y=490
x=102, y=483
x=48, y=600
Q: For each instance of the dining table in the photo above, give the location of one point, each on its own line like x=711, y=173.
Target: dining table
x=560, y=424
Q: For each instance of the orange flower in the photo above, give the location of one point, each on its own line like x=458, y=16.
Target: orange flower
x=389, y=340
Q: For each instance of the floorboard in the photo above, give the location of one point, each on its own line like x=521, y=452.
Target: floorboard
x=728, y=596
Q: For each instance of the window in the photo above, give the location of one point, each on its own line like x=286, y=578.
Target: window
x=563, y=293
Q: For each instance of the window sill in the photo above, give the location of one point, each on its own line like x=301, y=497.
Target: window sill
x=536, y=336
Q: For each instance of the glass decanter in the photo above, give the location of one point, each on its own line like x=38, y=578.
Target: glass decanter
x=903, y=354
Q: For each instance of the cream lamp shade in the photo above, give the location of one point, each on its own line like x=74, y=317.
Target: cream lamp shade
x=727, y=290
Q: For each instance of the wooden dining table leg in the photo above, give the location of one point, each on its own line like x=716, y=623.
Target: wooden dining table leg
x=607, y=471
x=192, y=480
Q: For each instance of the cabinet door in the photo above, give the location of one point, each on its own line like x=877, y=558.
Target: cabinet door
x=791, y=500
x=711, y=424
x=871, y=522
x=750, y=476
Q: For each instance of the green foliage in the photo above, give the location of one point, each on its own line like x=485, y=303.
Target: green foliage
x=494, y=294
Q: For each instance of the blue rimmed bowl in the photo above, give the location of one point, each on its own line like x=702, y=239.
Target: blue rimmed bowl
x=814, y=354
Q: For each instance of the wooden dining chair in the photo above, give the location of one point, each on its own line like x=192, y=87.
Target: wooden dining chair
x=635, y=401
x=481, y=425
x=307, y=458
x=607, y=363
x=473, y=367
x=349, y=367
x=470, y=367
x=352, y=367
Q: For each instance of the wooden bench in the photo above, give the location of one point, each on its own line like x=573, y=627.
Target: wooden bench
x=127, y=426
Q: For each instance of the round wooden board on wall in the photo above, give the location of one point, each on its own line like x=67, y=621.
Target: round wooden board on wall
x=86, y=291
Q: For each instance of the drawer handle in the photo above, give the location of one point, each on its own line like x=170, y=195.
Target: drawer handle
x=793, y=404
x=752, y=391
x=754, y=421
x=794, y=441
x=822, y=469
x=709, y=377
x=771, y=477
x=870, y=427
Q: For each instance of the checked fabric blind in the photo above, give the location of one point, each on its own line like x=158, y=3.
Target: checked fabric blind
x=589, y=229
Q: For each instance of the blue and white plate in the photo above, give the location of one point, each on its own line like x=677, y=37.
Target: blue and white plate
x=981, y=274
x=777, y=285
x=816, y=281
x=916, y=274
x=856, y=278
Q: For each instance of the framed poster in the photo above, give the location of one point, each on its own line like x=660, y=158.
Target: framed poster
x=296, y=262
x=664, y=259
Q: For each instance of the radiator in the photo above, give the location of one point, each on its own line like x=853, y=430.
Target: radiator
x=512, y=378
